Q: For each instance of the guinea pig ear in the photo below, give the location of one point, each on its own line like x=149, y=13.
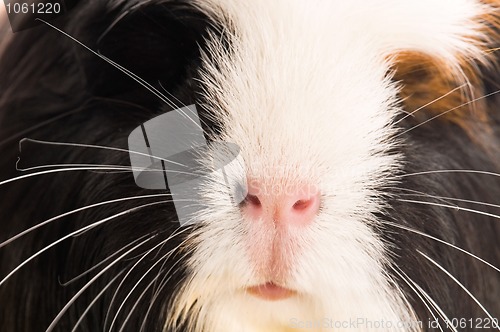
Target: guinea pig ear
x=446, y=75
x=159, y=42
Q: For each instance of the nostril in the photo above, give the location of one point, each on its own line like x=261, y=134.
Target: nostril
x=302, y=204
x=299, y=204
x=253, y=200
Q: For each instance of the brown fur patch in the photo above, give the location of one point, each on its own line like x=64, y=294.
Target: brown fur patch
x=437, y=90
x=431, y=89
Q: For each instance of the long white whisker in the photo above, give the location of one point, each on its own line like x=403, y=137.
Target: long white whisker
x=180, y=102
x=79, y=231
x=440, y=311
x=465, y=171
x=102, y=262
x=145, y=84
x=171, y=95
x=75, y=169
x=430, y=103
x=448, y=111
x=127, y=72
x=166, y=279
x=96, y=298
x=163, y=283
x=441, y=241
x=92, y=168
x=405, y=279
x=88, y=284
x=166, y=256
x=81, y=145
x=70, y=169
x=137, y=302
x=423, y=194
x=87, y=207
x=447, y=199
x=53, y=166
x=459, y=284
x=455, y=207
x=122, y=168
x=143, y=256
x=431, y=301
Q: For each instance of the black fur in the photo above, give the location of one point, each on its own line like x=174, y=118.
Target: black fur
x=49, y=79
x=53, y=89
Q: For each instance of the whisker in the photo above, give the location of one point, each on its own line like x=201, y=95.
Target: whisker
x=96, y=298
x=441, y=241
x=79, y=231
x=465, y=171
x=166, y=277
x=101, y=262
x=168, y=254
x=459, y=284
x=124, y=70
x=74, y=169
x=406, y=279
x=162, y=285
x=137, y=302
x=91, y=168
x=431, y=301
x=17, y=178
x=143, y=256
x=163, y=265
x=435, y=306
x=53, y=166
x=135, y=77
x=455, y=207
x=94, y=147
x=446, y=199
x=423, y=194
x=430, y=103
x=180, y=102
x=141, y=81
x=88, y=284
x=448, y=111
x=171, y=95
x=87, y=207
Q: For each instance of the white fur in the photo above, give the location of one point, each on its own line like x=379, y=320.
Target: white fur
x=304, y=92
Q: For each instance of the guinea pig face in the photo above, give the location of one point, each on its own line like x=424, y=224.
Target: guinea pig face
x=365, y=171
x=310, y=107
x=306, y=92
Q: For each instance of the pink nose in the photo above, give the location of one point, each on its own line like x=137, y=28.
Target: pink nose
x=297, y=204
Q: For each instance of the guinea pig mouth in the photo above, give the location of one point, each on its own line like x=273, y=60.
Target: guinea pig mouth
x=270, y=292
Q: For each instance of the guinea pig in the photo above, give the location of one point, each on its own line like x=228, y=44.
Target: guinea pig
x=362, y=193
